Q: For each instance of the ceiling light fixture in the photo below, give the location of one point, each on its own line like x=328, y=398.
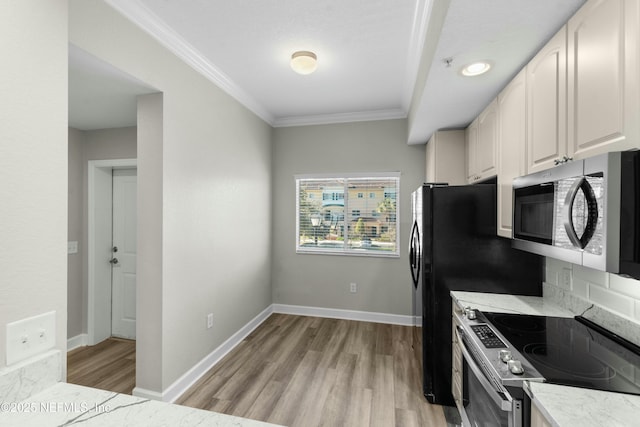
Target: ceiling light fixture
x=476, y=69
x=304, y=62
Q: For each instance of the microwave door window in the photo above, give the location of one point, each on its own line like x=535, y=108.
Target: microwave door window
x=533, y=213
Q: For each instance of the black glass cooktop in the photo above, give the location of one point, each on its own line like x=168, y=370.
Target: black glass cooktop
x=568, y=351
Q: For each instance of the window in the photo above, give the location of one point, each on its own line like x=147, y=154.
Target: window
x=370, y=228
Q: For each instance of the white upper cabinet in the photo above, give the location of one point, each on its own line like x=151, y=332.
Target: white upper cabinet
x=487, y=140
x=482, y=136
x=603, y=76
x=512, y=136
x=546, y=104
x=444, y=154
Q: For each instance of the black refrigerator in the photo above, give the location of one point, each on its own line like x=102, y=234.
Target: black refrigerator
x=454, y=246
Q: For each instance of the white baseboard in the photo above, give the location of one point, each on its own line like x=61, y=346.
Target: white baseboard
x=146, y=394
x=77, y=341
x=335, y=313
x=182, y=384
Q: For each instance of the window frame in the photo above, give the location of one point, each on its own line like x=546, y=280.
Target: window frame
x=345, y=250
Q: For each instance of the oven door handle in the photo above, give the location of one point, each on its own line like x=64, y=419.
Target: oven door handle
x=502, y=399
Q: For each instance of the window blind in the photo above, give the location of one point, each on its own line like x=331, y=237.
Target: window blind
x=334, y=217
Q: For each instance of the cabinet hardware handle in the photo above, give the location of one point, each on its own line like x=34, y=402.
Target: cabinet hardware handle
x=564, y=159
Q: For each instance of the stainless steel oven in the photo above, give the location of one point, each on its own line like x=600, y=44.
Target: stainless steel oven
x=486, y=403
x=493, y=373
x=503, y=350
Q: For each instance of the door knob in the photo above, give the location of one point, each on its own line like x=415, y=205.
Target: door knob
x=113, y=261
x=115, y=249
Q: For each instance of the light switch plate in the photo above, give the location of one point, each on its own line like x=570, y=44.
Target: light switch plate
x=31, y=336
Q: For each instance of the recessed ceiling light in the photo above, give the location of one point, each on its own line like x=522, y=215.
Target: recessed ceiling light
x=476, y=69
x=304, y=62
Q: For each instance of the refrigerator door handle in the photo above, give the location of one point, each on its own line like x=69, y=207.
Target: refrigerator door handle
x=414, y=254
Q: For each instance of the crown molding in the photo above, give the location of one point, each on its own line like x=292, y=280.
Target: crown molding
x=324, y=119
x=149, y=22
x=416, y=44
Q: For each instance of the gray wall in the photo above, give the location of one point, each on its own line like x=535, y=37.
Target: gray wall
x=84, y=146
x=384, y=284
x=210, y=171
x=33, y=164
x=103, y=144
x=75, y=293
x=150, y=247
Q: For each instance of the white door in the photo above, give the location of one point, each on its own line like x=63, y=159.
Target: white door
x=123, y=274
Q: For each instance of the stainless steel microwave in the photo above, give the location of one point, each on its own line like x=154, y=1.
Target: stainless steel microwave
x=586, y=212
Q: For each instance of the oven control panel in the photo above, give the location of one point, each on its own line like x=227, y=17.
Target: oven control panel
x=487, y=337
x=488, y=349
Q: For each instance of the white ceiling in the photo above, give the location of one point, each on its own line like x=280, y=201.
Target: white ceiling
x=368, y=56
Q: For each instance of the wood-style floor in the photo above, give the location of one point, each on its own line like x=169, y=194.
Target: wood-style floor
x=306, y=371
x=294, y=371
x=109, y=365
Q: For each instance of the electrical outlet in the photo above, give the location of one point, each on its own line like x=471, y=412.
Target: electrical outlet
x=209, y=320
x=28, y=337
x=353, y=288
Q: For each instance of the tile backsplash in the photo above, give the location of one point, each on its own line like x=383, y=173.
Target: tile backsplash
x=609, y=300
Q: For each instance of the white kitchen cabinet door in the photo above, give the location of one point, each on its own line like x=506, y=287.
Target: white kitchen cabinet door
x=481, y=143
x=546, y=104
x=603, y=76
x=537, y=418
x=471, y=148
x=487, y=141
x=512, y=135
x=456, y=358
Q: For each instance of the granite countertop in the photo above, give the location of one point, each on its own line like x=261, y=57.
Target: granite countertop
x=67, y=404
x=501, y=303
x=566, y=406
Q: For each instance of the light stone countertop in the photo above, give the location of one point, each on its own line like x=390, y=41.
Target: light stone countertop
x=68, y=404
x=500, y=303
x=571, y=406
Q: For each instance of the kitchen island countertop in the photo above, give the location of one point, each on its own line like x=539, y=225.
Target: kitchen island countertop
x=502, y=303
x=66, y=404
